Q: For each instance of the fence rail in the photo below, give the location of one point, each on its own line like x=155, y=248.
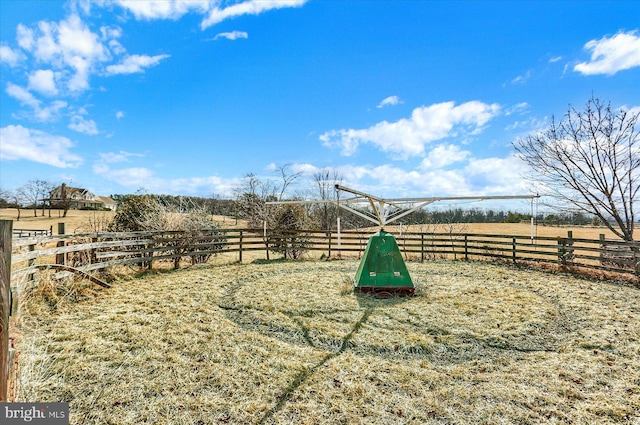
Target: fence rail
x=97, y=251
x=30, y=233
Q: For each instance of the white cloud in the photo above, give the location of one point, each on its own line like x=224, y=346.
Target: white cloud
x=611, y=54
x=233, y=35
x=251, y=7
x=500, y=176
x=136, y=177
x=22, y=95
x=17, y=142
x=81, y=125
x=43, y=81
x=635, y=110
x=444, y=155
x=528, y=125
x=518, y=108
x=117, y=157
x=163, y=9
x=69, y=47
x=119, y=114
x=25, y=37
x=305, y=169
x=389, y=101
x=134, y=64
x=555, y=59
x=10, y=56
x=389, y=181
x=521, y=79
x=128, y=177
x=39, y=113
x=77, y=40
x=408, y=137
x=473, y=176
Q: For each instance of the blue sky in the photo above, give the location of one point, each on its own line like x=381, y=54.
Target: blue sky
x=402, y=98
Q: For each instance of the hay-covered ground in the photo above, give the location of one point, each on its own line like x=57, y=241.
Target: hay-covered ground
x=289, y=343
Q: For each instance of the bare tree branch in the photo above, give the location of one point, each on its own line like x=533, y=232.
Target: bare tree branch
x=589, y=161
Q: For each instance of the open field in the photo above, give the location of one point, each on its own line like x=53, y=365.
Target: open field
x=289, y=343
x=78, y=221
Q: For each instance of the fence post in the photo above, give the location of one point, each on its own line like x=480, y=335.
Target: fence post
x=513, y=249
x=570, y=249
x=329, y=256
x=240, y=249
x=6, y=230
x=422, y=247
x=60, y=258
x=266, y=241
x=150, y=250
x=31, y=262
x=466, y=247
x=94, y=253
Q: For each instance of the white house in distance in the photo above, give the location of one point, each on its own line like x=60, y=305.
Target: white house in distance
x=79, y=198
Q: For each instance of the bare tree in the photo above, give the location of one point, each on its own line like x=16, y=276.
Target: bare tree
x=588, y=162
x=325, y=212
x=287, y=179
x=14, y=199
x=46, y=188
x=33, y=192
x=251, y=196
x=253, y=193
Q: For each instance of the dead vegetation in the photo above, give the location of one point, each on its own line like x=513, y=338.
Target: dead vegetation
x=288, y=343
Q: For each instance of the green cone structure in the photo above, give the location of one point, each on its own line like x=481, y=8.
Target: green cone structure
x=382, y=270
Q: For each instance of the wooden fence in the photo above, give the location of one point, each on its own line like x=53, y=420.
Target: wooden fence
x=92, y=252
x=90, y=255
x=30, y=233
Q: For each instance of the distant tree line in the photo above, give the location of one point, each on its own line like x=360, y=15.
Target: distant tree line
x=478, y=215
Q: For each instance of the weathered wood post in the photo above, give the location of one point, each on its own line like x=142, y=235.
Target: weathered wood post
x=422, y=247
x=93, y=257
x=570, y=249
x=150, y=246
x=466, y=247
x=513, y=249
x=562, y=251
x=60, y=258
x=266, y=241
x=329, y=236
x=240, y=248
x=31, y=262
x=6, y=230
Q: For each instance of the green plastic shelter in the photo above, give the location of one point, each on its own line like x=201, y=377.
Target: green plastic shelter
x=382, y=270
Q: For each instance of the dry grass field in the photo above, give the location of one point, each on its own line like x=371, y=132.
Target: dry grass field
x=76, y=221
x=289, y=343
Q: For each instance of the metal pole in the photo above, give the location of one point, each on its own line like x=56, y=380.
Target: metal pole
x=532, y=227
x=339, y=238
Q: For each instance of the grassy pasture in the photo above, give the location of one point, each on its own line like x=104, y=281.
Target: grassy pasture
x=78, y=221
x=289, y=343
